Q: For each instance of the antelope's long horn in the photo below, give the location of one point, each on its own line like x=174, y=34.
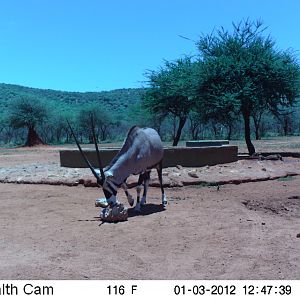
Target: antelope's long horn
x=84, y=156
x=97, y=149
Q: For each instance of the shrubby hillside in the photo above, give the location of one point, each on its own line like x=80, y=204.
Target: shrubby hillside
x=112, y=109
x=115, y=101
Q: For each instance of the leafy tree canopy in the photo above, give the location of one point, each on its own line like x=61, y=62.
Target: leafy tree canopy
x=101, y=119
x=27, y=111
x=172, y=90
x=243, y=71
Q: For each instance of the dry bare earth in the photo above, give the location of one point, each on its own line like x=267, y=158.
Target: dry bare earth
x=246, y=231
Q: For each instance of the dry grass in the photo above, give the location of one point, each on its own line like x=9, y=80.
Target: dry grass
x=278, y=144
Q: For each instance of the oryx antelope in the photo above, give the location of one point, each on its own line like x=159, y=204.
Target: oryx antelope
x=142, y=151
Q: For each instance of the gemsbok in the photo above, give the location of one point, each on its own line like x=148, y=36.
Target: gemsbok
x=142, y=151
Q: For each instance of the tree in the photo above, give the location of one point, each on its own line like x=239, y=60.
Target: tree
x=2, y=123
x=172, y=91
x=218, y=110
x=197, y=119
x=29, y=112
x=101, y=119
x=257, y=115
x=285, y=118
x=60, y=126
x=243, y=71
x=139, y=115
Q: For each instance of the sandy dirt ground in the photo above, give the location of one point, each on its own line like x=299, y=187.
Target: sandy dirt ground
x=245, y=231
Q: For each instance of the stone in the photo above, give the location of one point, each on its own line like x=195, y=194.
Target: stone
x=193, y=174
x=117, y=213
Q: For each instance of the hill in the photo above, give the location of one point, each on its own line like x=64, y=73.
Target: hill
x=115, y=101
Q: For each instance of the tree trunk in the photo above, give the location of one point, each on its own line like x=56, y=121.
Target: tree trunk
x=257, y=135
x=229, y=131
x=32, y=138
x=250, y=146
x=104, y=132
x=285, y=125
x=182, y=121
x=215, y=129
x=256, y=126
x=194, y=128
x=195, y=134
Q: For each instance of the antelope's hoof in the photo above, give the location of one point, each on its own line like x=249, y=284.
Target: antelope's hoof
x=130, y=200
x=143, y=201
x=101, y=202
x=164, y=201
x=137, y=208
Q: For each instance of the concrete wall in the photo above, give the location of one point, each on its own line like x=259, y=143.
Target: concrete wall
x=206, y=143
x=173, y=156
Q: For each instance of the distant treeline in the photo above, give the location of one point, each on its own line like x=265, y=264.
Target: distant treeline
x=116, y=111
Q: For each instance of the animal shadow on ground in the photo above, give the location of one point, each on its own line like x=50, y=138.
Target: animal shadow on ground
x=147, y=209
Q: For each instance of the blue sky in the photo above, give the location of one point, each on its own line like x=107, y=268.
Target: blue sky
x=90, y=45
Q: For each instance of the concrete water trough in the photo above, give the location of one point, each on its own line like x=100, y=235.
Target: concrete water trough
x=173, y=156
x=206, y=143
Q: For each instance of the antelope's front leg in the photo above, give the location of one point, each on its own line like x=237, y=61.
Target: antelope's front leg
x=128, y=195
x=143, y=180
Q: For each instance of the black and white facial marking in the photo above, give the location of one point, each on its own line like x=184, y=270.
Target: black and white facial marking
x=110, y=191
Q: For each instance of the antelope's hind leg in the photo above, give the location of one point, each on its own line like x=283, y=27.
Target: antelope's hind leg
x=138, y=203
x=164, y=200
x=146, y=185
